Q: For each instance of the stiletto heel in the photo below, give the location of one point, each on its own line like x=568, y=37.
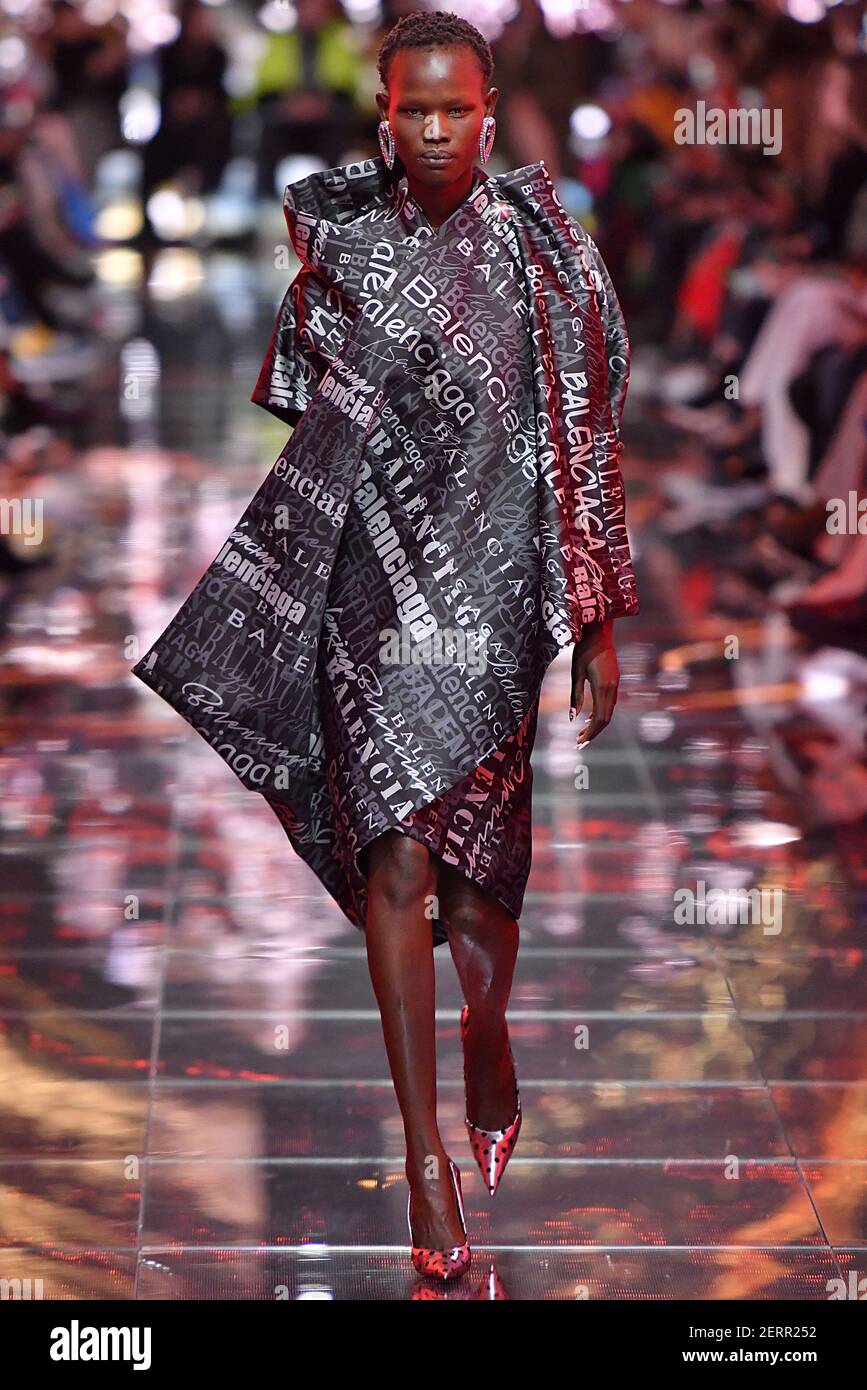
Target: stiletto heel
x=492, y=1148
x=442, y=1264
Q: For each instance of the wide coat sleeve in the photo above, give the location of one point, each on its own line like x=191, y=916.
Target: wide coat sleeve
x=621, y=597
x=617, y=346
x=309, y=330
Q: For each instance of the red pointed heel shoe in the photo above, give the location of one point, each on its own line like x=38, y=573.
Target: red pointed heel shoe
x=492, y=1148
x=442, y=1264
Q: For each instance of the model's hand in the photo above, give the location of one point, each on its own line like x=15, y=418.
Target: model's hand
x=595, y=660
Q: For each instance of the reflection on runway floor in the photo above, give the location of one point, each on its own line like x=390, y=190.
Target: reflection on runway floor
x=194, y=1088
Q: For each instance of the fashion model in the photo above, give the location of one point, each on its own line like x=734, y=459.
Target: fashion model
x=367, y=649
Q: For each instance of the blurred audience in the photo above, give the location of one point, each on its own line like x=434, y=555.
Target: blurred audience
x=306, y=88
x=194, y=137
x=744, y=280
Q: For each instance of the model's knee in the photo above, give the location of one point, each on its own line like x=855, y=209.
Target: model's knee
x=467, y=917
x=477, y=919
x=402, y=869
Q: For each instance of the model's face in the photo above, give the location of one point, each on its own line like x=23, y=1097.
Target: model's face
x=435, y=104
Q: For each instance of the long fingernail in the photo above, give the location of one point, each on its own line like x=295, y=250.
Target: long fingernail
x=582, y=745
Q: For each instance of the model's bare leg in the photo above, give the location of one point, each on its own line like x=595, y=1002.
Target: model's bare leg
x=483, y=939
x=400, y=877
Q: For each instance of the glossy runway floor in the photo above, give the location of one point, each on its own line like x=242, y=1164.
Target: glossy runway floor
x=193, y=1083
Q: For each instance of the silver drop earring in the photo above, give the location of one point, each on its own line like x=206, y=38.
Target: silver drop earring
x=486, y=138
x=386, y=143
